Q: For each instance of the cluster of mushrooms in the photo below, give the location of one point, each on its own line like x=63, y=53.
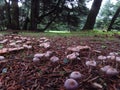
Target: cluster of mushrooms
x=109, y=70
x=15, y=43
x=71, y=83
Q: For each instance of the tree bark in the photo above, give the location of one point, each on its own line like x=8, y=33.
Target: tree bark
x=89, y=25
x=8, y=14
x=15, y=15
x=25, y=25
x=34, y=14
x=113, y=19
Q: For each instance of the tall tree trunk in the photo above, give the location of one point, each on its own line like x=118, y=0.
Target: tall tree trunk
x=15, y=15
x=89, y=25
x=25, y=25
x=8, y=14
x=34, y=14
x=113, y=19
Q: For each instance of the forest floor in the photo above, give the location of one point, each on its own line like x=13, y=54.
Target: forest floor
x=20, y=70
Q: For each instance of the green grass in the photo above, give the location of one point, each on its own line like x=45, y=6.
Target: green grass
x=67, y=33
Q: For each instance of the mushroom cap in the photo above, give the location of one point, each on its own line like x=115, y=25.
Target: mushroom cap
x=91, y=63
x=72, y=56
x=2, y=57
x=111, y=57
x=118, y=59
x=105, y=68
x=71, y=84
x=54, y=59
x=45, y=45
x=48, y=54
x=35, y=59
x=113, y=53
x=101, y=57
x=75, y=75
x=39, y=55
x=112, y=71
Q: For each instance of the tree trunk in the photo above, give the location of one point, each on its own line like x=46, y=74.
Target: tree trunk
x=8, y=14
x=89, y=25
x=113, y=19
x=34, y=14
x=15, y=15
x=25, y=25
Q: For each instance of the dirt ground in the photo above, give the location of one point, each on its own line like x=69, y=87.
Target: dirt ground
x=19, y=72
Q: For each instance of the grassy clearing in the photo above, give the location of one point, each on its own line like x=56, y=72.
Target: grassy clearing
x=67, y=33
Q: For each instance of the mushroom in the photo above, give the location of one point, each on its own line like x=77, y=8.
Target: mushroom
x=12, y=44
x=112, y=71
x=27, y=46
x=54, y=59
x=3, y=41
x=2, y=57
x=113, y=53
x=118, y=59
x=75, y=75
x=45, y=45
x=35, y=59
x=19, y=41
x=105, y=68
x=39, y=55
x=101, y=57
x=111, y=57
x=48, y=54
x=71, y=84
x=72, y=56
x=90, y=63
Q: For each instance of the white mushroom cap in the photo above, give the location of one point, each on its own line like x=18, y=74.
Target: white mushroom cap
x=71, y=84
x=4, y=41
x=27, y=46
x=111, y=57
x=12, y=44
x=90, y=63
x=113, y=53
x=71, y=56
x=101, y=57
x=112, y=71
x=2, y=57
x=39, y=55
x=45, y=45
x=108, y=57
x=105, y=68
x=74, y=49
x=54, y=59
x=43, y=38
x=75, y=75
x=35, y=59
x=19, y=41
x=48, y=53
x=118, y=59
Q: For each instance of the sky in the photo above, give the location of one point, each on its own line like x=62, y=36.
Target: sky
x=103, y=2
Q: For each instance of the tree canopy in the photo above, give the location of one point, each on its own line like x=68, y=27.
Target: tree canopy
x=39, y=15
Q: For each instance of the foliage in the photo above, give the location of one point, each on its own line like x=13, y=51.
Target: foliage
x=56, y=15
x=106, y=14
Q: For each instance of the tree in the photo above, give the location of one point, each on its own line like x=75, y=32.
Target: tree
x=15, y=15
x=105, y=15
x=8, y=14
x=113, y=19
x=89, y=25
x=34, y=14
x=43, y=14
